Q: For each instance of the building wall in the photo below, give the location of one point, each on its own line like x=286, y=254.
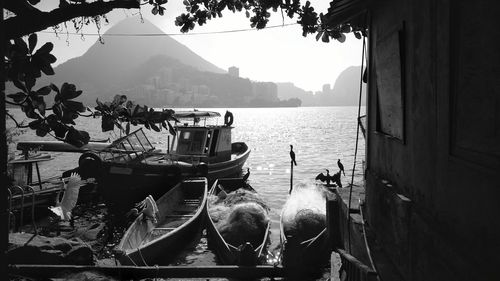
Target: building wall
x=432, y=188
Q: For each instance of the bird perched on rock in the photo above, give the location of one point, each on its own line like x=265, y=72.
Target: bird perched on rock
x=292, y=155
x=341, y=167
x=247, y=175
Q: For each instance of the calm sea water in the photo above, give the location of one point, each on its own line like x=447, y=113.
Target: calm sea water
x=320, y=136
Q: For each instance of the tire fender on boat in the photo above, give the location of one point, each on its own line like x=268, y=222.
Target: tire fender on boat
x=90, y=165
x=228, y=118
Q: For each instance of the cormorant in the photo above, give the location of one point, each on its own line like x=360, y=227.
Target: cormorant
x=341, y=167
x=292, y=155
x=245, y=177
x=335, y=178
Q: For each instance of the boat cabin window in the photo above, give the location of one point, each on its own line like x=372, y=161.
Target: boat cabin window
x=191, y=142
x=213, y=145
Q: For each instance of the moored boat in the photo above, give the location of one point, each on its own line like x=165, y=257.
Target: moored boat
x=303, y=232
x=180, y=220
x=133, y=167
x=244, y=252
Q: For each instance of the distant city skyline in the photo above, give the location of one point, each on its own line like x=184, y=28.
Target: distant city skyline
x=279, y=54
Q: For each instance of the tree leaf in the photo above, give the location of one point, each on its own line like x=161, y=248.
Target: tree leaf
x=341, y=38
x=17, y=97
x=75, y=106
x=19, y=84
x=54, y=88
x=325, y=38
x=43, y=91
x=45, y=49
x=43, y=129
x=318, y=36
x=35, y=124
x=76, y=137
x=154, y=127
x=107, y=123
x=127, y=128
x=32, y=40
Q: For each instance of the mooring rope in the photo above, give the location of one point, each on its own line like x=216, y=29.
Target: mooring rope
x=357, y=141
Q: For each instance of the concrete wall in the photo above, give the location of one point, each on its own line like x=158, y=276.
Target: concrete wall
x=433, y=194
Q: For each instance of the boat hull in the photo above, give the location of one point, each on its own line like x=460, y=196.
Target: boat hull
x=144, y=245
x=228, y=254
x=304, y=252
x=135, y=181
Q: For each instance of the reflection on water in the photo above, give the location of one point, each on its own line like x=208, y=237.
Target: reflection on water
x=319, y=135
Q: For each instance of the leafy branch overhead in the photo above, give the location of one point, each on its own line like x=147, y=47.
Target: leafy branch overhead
x=259, y=12
x=120, y=110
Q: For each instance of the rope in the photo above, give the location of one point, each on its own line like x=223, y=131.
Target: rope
x=172, y=34
x=368, y=251
x=357, y=141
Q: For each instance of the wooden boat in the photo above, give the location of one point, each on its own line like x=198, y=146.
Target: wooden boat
x=133, y=167
x=181, y=217
x=303, y=252
x=228, y=254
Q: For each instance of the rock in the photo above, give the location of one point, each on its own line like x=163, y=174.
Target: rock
x=25, y=248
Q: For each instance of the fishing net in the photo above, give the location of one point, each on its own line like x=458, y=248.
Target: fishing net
x=240, y=216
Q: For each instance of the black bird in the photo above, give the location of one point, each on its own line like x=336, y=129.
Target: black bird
x=292, y=155
x=327, y=178
x=341, y=167
x=245, y=177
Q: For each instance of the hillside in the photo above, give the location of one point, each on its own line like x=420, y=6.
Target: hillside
x=101, y=71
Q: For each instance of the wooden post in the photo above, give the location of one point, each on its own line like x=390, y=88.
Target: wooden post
x=333, y=222
x=291, y=177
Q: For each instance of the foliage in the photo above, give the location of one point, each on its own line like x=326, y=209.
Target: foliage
x=259, y=12
x=120, y=110
x=23, y=65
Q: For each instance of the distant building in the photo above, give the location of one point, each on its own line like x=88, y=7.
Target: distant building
x=234, y=71
x=326, y=88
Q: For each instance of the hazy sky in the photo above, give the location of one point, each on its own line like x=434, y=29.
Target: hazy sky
x=278, y=54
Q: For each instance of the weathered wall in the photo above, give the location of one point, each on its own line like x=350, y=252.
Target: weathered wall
x=432, y=194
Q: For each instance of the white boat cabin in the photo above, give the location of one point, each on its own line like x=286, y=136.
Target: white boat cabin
x=209, y=142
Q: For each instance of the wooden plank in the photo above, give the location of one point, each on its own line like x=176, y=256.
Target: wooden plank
x=57, y=146
x=140, y=272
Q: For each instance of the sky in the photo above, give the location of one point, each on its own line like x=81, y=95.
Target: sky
x=278, y=54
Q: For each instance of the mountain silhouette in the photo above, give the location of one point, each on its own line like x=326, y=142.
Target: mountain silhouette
x=345, y=91
x=103, y=69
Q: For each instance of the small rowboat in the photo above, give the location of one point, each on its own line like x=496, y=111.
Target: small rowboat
x=304, y=243
x=246, y=253
x=181, y=217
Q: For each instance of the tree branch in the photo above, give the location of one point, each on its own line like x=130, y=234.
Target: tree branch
x=19, y=7
x=15, y=121
x=23, y=24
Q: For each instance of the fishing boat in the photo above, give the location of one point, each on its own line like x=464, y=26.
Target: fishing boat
x=132, y=167
x=303, y=233
x=180, y=220
x=244, y=254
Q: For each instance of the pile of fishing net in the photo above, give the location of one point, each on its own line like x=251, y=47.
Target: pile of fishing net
x=306, y=225
x=304, y=215
x=240, y=216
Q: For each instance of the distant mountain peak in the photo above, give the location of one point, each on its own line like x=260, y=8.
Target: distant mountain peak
x=134, y=25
